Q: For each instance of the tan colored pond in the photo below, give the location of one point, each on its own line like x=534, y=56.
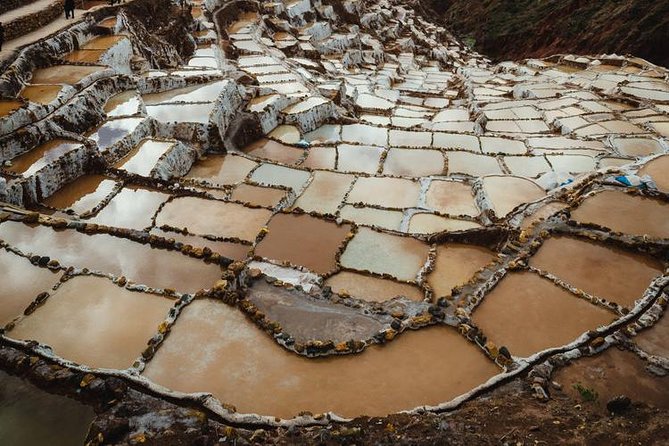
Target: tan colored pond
x=85, y=56
x=211, y=217
x=658, y=169
x=7, y=107
x=401, y=257
x=452, y=198
x=107, y=329
x=82, y=194
x=41, y=94
x=244, y=367
x=222, y=169
x=364, y=159
x=527, y=166
x=274, y=151
x=413, y=162
x=606, y=272
x=64, y=74
x=139, y=263
x=625, y=213
x=455, y=265
x=527, y=314
x=372, y=217
x=371, y=288
x=321, y=158
x=303, y=240
x=637, y=146
x=472, y=164
x=22, y=283
x=365, y=134
x=385, y=192
x=258, y=195
x=274, y=175
x=506, y=193
x=132, y=208
x=33, y=161
x=325, y=192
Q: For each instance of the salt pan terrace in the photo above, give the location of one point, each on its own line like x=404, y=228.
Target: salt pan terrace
x=315, y=204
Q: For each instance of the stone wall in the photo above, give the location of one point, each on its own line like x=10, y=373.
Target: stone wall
x=31, y=22
x=8, y=5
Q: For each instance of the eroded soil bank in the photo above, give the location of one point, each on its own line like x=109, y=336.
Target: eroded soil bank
x=521, y=29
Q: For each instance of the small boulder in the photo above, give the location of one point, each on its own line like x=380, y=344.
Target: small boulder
x=619, y=404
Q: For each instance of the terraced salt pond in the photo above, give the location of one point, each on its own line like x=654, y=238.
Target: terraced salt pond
x=222, y=169
x=142, y=159
x=371, y=288
x=139, y=263
x=382, y=253
x=387, y=213
x=419, y=360
x=32, y=162
x=528, y=314
x=117, y=322
x=603, y=271
x=215, y=218
x=314, y=245
x=651, y=217
x=27, y=283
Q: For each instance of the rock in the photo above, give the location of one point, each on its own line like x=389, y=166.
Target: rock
x=597, y=342
x=618, y=404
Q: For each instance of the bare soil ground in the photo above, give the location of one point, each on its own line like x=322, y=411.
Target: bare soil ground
x=512, y=30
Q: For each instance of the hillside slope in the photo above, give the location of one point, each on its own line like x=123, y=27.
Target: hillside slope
x=514, y=29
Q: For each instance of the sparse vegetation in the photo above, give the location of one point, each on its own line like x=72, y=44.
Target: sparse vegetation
x=589, y=395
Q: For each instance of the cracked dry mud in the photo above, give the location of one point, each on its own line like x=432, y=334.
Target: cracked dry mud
x=257, y=222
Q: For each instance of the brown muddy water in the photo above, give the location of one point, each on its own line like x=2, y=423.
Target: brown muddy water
x=303, y=240
x=243, y=366
x=370, y=288
x=527, y=314
x=603, y=271
x=107, y=328
x=625, y=213
x=455, y=265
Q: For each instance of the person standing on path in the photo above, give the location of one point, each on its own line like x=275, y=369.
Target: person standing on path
x=69, y=9
x=2, y=35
